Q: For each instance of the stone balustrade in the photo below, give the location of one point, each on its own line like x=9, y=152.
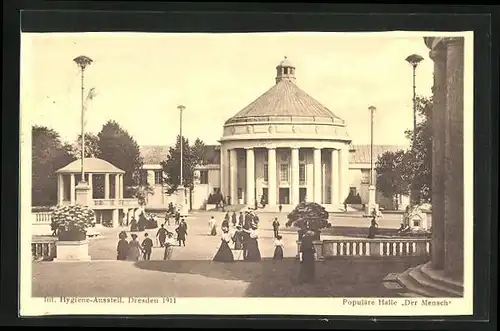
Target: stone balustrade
x=359, y=247
x=43, y=250
x=44, y=217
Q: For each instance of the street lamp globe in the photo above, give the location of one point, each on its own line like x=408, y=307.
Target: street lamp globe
x=83, y=61
x=414, y=59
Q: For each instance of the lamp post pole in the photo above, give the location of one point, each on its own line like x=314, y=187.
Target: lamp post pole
x=183, y=189
x=82, y=62
x=414, y=60
x=371, y=189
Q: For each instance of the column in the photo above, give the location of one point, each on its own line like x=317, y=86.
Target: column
x=60, y=189
x=224, y=185
x=106, y=186
x=272, y=180
x=438, y=156
x=250, y=196
x=454, y=158
x=117, y=186
x=334, y=168
x=233, y=174
x=91, y=187
x=294, y=159
x=115, y=215
x=72, y=189
x=121, y=186
x=317, y=175
x=343, y=184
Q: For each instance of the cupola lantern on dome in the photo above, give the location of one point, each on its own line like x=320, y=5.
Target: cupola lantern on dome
x=285, y=71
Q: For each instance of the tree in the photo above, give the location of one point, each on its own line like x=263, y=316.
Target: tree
x=142, y=192
x=393, y=173
x=91, y=146
x=309, y=216
x=48, y=155
x=119, y=148
x=171, y=166
x=420, y=152
x=198, y=151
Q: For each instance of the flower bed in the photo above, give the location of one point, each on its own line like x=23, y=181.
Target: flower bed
x=72, y=222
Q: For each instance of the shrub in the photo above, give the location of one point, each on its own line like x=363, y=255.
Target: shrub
x=73, y=218
x=309, y=216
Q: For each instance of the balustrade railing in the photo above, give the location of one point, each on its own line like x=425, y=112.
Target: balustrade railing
x=42, y=217
x=372, y=247
x=115, y=202
x=43, y=250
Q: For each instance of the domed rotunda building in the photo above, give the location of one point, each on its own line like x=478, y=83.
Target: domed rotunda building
x=284, y=148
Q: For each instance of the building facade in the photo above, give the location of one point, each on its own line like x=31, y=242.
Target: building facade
x=282, y=149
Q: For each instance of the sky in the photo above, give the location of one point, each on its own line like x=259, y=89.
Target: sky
x=141, y=78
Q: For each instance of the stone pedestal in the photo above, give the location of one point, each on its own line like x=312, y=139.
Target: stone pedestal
x=184, y=208
x=70, y=251
x=82, y=191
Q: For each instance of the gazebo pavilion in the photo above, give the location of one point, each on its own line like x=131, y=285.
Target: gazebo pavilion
x=106, y=189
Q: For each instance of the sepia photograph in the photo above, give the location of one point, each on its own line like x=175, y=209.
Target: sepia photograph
x=240, y=173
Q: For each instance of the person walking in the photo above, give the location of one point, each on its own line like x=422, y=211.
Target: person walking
x=169, y=246
x=122, y=247
x=307, y=258
x=224, y=253
x=278, y=248
x=147, y=247
x=162, y=235
x=212, y=226
x=134, y=248
x=276, y=227
x=234, y=219
x=182, y=233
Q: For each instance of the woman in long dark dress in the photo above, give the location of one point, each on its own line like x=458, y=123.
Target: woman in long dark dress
x=122, y=247
x=307, y=258
x=133, y=225
x=224, y=254
x=253, y=252
x=372, y=231
x=238, y=239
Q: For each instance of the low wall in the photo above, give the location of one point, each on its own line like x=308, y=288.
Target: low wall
x=43, y=249
x=360, y=247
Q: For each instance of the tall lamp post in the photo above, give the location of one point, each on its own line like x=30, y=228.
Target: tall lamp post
x=372, y=205
x=82, y=189
x=184, y=207
x=414, y=61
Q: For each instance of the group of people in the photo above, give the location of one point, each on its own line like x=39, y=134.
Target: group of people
x=133, y=250
x=242, y=232
x=142, y=224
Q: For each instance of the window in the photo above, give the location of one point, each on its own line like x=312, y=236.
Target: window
x=266, y=172
x=240, y=193
x=302, y=174
x=158, y=177
x=365, y=176
x=302, y=156
x=203, y=177
x=284, y=172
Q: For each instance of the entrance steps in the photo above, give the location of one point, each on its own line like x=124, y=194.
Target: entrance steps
x=424, y=281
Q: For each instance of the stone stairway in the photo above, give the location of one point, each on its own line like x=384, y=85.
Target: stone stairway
x=426, y=282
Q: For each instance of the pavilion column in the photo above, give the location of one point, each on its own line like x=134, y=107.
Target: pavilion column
x=317, y=175
x=233, y=174
x=121, y=186
x=272, y=181
x=343, y=183
x=60, y=189
x=334, y=168
x=117, y=186
x=438, y=55
x=72, y=197
x=91, y=187
x=224, y=164
x=106, y=186
x=454, y=158
x=294, y=158
x=250, y=194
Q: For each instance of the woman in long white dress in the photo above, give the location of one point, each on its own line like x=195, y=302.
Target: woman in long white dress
x=169, y=246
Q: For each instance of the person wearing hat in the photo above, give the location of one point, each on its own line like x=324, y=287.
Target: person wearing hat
x=307, y=258
x=122, y=247
x=238, y=238
x=252, y=245
x=147, y=247
x=169, y=246
x=134, y=248
x=224, y=254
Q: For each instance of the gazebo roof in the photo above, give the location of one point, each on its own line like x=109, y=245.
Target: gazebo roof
x=92, y=165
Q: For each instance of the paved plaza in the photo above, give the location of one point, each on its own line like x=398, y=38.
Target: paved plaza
x=191, y=272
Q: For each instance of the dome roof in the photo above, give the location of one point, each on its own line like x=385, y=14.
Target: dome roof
x=92, y=165
x=285, y=99
x=285, y=63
